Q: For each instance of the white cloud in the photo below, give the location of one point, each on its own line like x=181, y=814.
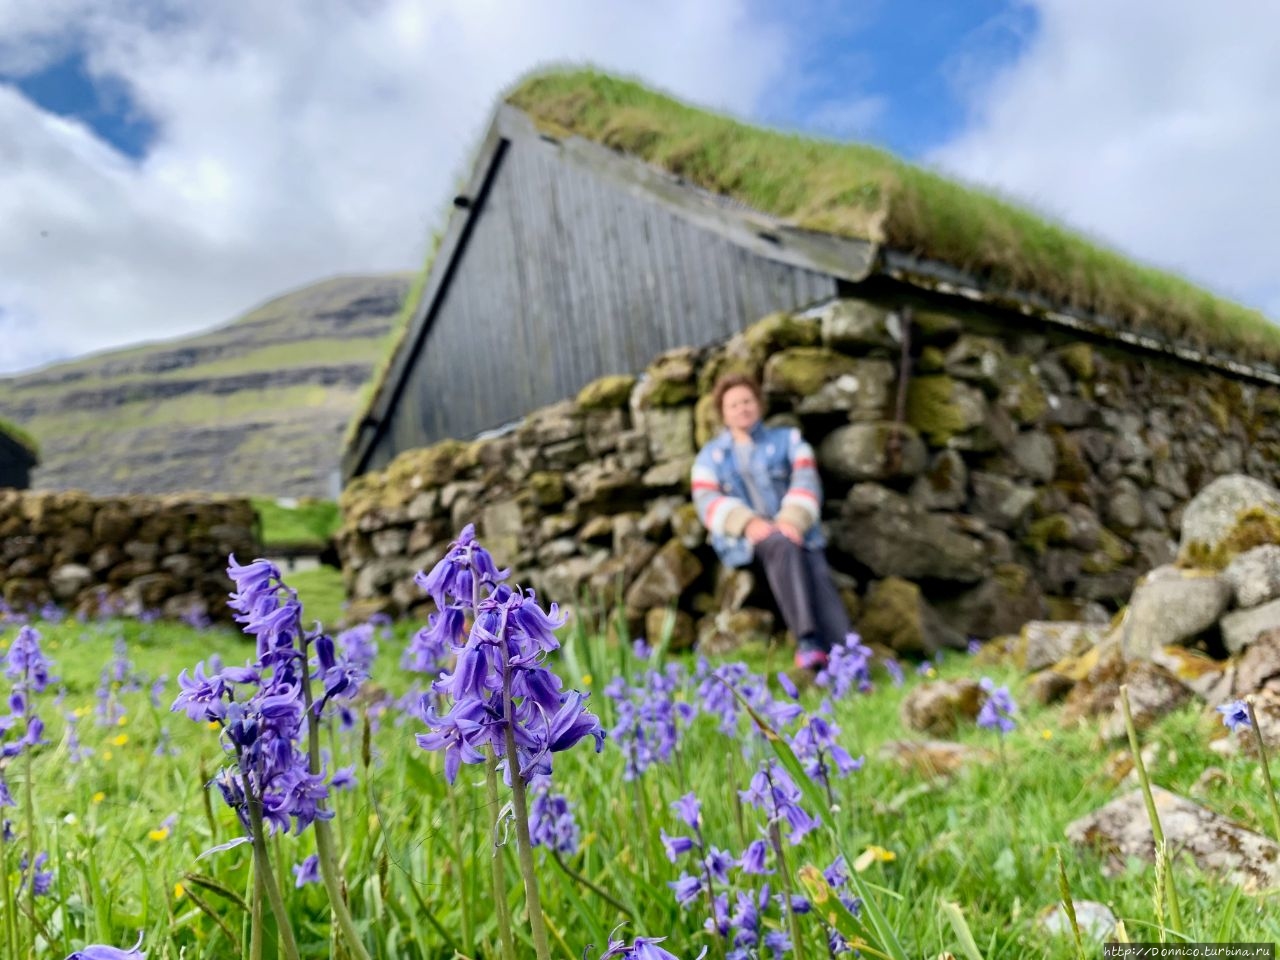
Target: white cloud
x=1151, y=124
x=297, y=139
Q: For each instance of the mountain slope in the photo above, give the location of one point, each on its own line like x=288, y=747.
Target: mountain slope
x=257, y=406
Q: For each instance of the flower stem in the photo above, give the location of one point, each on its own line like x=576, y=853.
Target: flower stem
x=463, y=900
x=10, y=938
x=499, y=869
x=1157, y=832
x=524, y=846
x=28, y=790
x=325, y=852
x=598, y=891
x=267, y=882
x=1266, y=769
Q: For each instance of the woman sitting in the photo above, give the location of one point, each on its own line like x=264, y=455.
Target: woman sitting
x=757, y=491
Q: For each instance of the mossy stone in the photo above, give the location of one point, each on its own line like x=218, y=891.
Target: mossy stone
x=940, y=407
x=1047, y=531
x=1078, y=358
x=606, y=393
x=932, y=360
x=1021, y=393
x=934, y=325
x=1253, y=528
x=804, y=370
x=778, y=331
x=706, y=419
x=1111, y=555
x=546, y=488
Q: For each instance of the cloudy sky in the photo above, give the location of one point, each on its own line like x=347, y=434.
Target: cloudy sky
x=166, y=164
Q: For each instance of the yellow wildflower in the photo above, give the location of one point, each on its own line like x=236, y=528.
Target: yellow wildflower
x=99, y=797
x=120, y=739
x=178, y=891
x=160, y=834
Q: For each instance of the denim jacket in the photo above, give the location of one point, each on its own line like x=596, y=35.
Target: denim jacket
x=784, y=473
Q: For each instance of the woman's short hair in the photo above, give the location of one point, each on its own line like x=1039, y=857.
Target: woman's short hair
x=728, y=381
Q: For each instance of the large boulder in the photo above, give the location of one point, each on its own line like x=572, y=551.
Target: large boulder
x=936, y=708
x=884, y=531
x=1259, y=664
x=941, y=408
x=663, y=581
x=865, y=392
x=1170, y=606
x=873, y=451
x=1241, y=627
x=805, y=370
x=895, y=615
x=857, y=326
x=1000, y=604
x=944, y=485
x=606, y=393
x=1046, y=642
x=1228, y=517
x=1218, y=845
x=1254, y=575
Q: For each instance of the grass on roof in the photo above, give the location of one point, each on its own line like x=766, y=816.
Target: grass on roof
x=21, y=436
x=859, y=191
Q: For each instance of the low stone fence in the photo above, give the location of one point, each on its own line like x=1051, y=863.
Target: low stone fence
x=1029, y=475
x=132, y=554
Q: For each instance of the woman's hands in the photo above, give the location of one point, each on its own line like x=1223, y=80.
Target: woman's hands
x=758, y=528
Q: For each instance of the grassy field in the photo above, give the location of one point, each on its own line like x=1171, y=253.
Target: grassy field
x=126, y=823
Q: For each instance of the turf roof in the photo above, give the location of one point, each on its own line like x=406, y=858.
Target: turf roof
x=858, y=191
x=20, y=436
x=863, y=192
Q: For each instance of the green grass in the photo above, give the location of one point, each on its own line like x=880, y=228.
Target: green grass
x=859, y=191
x=321, y=592
x=310, y=523
x=417, y=854
x=21, y=436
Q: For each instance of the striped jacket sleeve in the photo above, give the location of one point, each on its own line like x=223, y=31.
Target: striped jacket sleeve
x=802, y=503
x=720, y=513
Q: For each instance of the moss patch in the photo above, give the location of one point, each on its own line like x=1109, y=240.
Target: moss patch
x=804, y=370
x=940, y=407
x=606, y=393
x=1253, y=528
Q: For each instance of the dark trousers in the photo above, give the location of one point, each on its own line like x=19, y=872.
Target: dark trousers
x=802, y=586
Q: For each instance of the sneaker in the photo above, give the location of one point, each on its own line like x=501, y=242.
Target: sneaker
x=812, y=659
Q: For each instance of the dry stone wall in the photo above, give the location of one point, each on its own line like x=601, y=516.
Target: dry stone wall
x=133, y=554
x=1016, y=474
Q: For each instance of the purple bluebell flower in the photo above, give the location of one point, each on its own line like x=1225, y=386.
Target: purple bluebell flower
x=344, y=778
x=675, y=847
x=775, y=793
x=650, y=718
x=465, y=570
x=894, y=669
x=308, y=871
x=26, y=664
x=41, y=881
x=715, y=692
x=640, y=649
x=689, y=809
x=998, y=709
x=925, y=668
x=752, y=860
x=498, y=680
x=642, y=948
x=974, y=646
x=1235, y=715
x=551, y=820
x=718, y=863
x=687, y=888
x=97, y=951
x=817, y=747
x=260, y=706
x=848, y=668
x=788, y=687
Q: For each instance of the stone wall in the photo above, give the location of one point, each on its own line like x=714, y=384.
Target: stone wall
x=1030, y=476
x=133, y=554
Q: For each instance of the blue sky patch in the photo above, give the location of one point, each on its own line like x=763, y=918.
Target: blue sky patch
x=67, y=88
x=899, y=74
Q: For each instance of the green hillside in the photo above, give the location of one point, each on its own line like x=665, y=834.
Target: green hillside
x=257, y=406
